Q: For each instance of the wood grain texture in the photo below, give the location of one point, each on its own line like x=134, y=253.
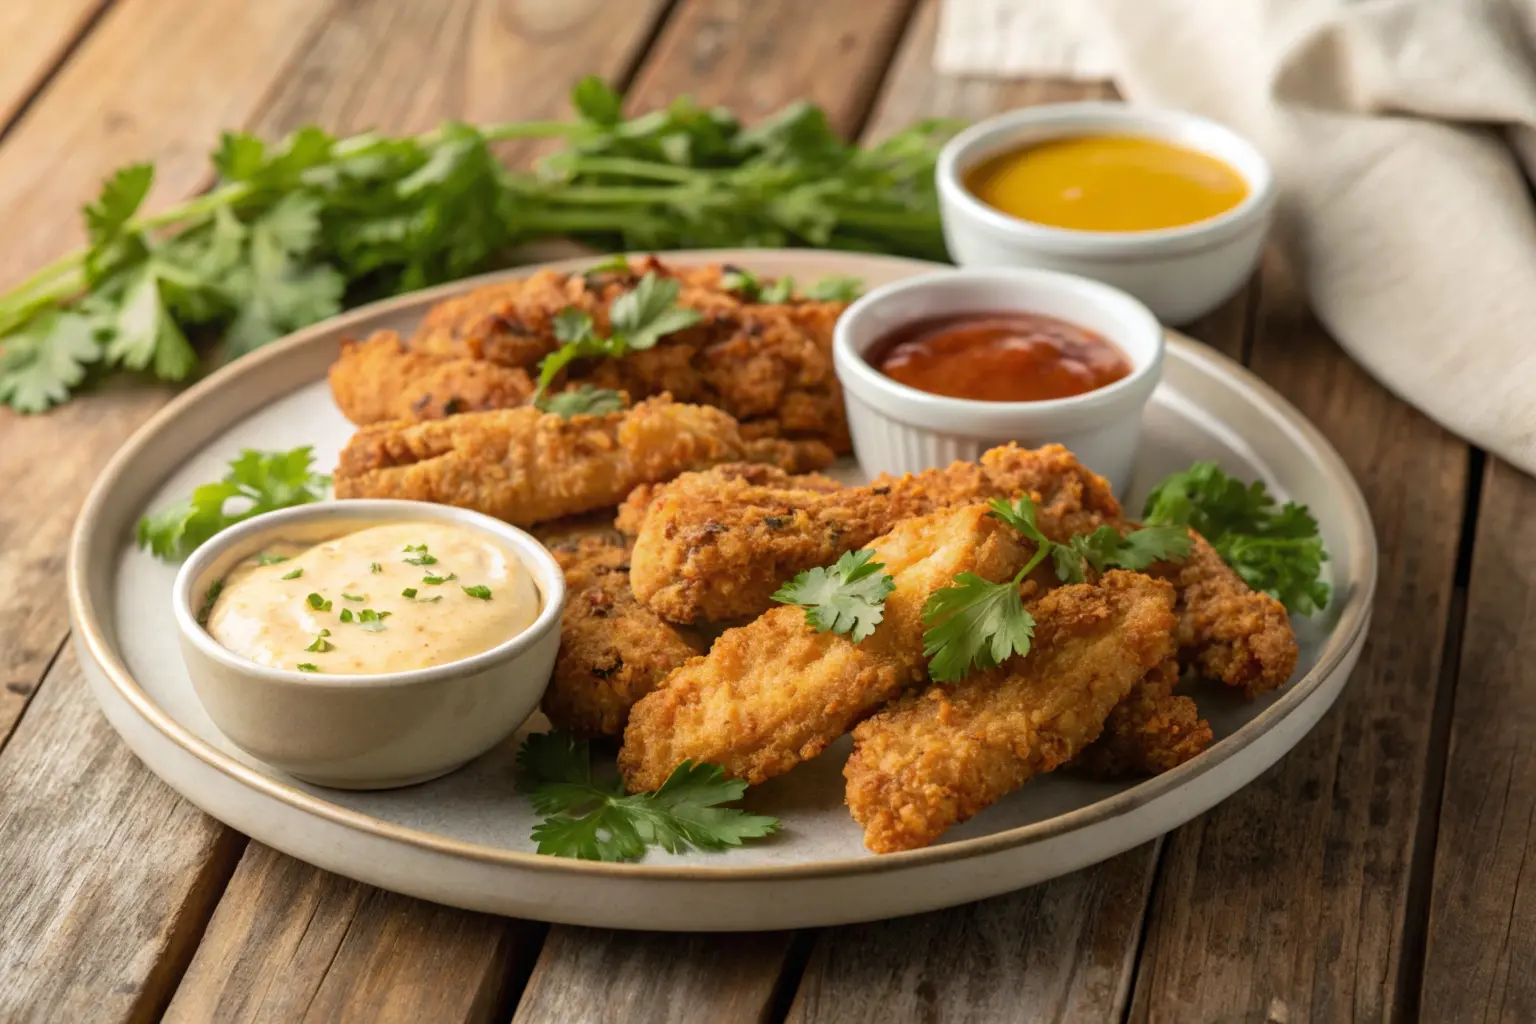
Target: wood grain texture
x=755, y=57
x=1288, y=901
x=290, y=942
x=592, y=974
x=109, y=105
x=109, y=875
x=37, y=36
x=1055, y=952
x=1482, y=925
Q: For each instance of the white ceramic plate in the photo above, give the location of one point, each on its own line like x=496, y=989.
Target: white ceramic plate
x=463, y=840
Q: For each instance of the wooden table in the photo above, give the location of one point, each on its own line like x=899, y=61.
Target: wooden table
x=1378, y=872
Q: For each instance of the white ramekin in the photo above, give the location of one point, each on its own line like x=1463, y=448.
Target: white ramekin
x=367, y=731
x=898, y=429
x=1180, y=273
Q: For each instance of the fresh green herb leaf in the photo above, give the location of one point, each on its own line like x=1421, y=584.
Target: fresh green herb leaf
x=318, y=603
x=256, y=482
x=408, y=592
x=618, y=263
x=295, y=574
x=353, y=597
x=780, y=291
x=835, y=288
x=209, y=598
x=321, y=644
x=308, y=666
x=375, y=567
x=583, y=401
x=975, y=624
x=440, y=579
x=346, y=615
x=743, y=282
x=46, y=359
x=371, y=620
x=596, y=820
x=419, y=555
x=640, y=318
x=847, y=598
x=266, y=559
x=482, y=592
x=1104, y=548
x=1274, y=548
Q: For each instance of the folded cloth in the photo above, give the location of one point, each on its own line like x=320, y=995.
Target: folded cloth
x=1399, y=131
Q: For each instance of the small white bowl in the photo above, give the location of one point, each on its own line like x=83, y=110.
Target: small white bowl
x=367, y=731
x=1180, y=273
x=898, y=429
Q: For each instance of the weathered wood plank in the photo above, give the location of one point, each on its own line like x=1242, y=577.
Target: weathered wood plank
x=290, y=942
x=109, y=874
x=211, y=66
x=1289, y=899
x=37, y=36
x=1055, y=952
x=1482, y=922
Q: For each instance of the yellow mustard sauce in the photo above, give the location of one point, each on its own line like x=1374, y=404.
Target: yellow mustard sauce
x=1107, y=183
x=362, y=604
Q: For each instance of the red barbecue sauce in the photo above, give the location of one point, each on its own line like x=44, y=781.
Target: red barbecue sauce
x=999, y=357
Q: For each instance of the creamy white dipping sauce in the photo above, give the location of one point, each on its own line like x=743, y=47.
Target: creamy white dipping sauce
x=383, y=615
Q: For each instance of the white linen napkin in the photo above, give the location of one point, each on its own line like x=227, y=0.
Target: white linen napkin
x=1398, y=130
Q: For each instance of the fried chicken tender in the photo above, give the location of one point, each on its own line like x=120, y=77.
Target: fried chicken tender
x=1228, y=631
x=775, y=692
x=1151, y=731
x=717, y=548
x=767, y=364
x=380, y=379
x=632, y=512
x=934, y=759
x=525, y=466
x=613, y=650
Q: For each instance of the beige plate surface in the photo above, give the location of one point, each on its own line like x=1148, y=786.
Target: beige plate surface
x=463, y=839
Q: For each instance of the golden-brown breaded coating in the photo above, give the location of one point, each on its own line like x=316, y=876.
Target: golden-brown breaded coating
x=719, y=552
x=379, y=379
x=932, y=760
x=525, y=466
x=1228, y=631
x=775, y=692
x=613, y=650
x=1152, y=731
x=706, y=481
x=767, y=364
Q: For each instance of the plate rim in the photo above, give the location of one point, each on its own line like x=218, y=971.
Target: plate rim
x=86, y=617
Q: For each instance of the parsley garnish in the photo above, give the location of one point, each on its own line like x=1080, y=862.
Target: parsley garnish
x=1276, y=550
x=639, y=319
x=321, y=644
x=353, y=597
x=266, y=559
x=307, y=666
x=482, y=592
x=257, y=482
x=295, y=574
x=375, y=567
x=346, y=615
x=440, y=579
x=848, y=598
x=408, y=592
x=419, y=555
x=596, y=820
x=371, y=620
x=318, y=603
x=832, y=288
x=214, y=590
x=584, y=401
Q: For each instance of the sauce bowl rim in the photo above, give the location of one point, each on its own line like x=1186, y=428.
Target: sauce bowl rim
x=992, y=135
x=548, y=579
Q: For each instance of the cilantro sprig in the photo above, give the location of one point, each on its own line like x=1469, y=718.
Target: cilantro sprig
x=594, y=819
x=640, y=318
x=257, y=482
x=1274, y=548
x=848, y=597
x=583, y=401
x=832, y=288
x=296, y=229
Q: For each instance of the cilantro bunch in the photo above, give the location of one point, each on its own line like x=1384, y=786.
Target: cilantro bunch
x=597, y=820
x=294, y=231
x=1274, y=548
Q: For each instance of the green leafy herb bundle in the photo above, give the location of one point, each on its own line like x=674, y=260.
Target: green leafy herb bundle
x=294, y=231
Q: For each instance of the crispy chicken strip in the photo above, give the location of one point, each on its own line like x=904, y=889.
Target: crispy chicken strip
x=613, y=650
x=1228, y=631
x=1152, y=731
x=932, y=760
x=525, y=466
x=717, y=548
x=704, y=482
x=775, y=692
x=380, y=379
